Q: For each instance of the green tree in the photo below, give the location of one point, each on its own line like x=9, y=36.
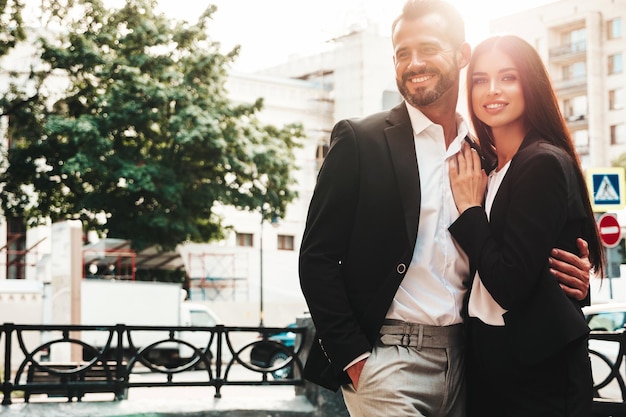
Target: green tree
x=620, y=161
x=11, y=25
x=620, y=252
x=12, y=32
x=142, y=143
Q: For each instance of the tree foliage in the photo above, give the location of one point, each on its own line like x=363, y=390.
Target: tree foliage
x=620, y=161
x=11, y=25
x=141, y=142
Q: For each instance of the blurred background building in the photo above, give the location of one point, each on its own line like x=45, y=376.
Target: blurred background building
x=582, y=43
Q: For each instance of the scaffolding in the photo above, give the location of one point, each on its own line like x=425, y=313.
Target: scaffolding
x=16, y=258
x=217, y=276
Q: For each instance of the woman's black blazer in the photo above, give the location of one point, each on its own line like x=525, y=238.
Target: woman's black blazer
x=538, y=207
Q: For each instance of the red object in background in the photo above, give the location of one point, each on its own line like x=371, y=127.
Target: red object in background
x=610, y=230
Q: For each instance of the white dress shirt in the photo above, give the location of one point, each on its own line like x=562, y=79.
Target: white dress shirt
x=481, y=303
x=432, y=291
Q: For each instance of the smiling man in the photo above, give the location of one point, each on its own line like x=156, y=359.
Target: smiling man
x=384, y=281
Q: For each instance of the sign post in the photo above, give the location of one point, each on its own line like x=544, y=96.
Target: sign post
x=610, y=234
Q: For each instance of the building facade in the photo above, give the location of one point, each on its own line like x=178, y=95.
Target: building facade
x=583, y=44
x=349, y=79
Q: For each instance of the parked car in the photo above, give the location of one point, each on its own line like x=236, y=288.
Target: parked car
x=606, y=317
x=274, y=352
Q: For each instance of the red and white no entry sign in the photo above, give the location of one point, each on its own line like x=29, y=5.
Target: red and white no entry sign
x=610, y=230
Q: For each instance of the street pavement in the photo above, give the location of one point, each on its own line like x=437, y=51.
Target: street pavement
x=265, y=401
x=236, y=401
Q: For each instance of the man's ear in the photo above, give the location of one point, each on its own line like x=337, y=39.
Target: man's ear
x=463, y=54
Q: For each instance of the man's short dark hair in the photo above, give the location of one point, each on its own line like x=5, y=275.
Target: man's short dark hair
x=414, y=9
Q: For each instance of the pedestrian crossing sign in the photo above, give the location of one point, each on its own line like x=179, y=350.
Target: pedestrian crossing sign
x=606, y=188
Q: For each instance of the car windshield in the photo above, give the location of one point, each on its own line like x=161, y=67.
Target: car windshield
x=611, y=321
x=201, y=318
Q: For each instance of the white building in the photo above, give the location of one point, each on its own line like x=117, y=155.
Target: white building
x=582, y=42
x=354, y=77
x=351, y=79
x=584, y=45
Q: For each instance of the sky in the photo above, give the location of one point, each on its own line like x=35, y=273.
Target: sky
x=269, y=31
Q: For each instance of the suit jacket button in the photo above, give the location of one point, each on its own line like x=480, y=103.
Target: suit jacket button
x=401, y=268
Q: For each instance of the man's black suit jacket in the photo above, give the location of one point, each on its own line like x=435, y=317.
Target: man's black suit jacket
x=359, y=238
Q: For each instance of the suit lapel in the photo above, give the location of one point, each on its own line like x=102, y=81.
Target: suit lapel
x=402, y=150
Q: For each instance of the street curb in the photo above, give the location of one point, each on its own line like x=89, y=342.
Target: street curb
x=299, y=406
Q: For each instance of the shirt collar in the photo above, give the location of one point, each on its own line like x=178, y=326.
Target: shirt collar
x=420, y=123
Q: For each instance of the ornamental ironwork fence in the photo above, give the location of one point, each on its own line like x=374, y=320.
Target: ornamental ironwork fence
x=109, y=359
x=72, y=360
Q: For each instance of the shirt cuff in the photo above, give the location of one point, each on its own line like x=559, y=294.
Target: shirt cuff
x=358, y=359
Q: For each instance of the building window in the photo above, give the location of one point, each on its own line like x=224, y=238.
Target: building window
x=575, y=108
x=616, y=64
x=618, y=134
x=320, y=154
x=614, y=28
x=581, y=140
x=285, y=242
x=15, y=248
x=616, y=99
x=571, y=42
x=575, y=40
x=245, y=239
x=574, y=71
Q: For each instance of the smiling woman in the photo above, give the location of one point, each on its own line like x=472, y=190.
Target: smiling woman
x=536, y=199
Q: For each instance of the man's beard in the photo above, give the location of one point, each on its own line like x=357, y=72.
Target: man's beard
x=424, y=96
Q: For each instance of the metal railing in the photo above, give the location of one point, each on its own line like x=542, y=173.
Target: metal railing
x=607, y=363
x=114, y=367
x=122, y=353
x=568, y=49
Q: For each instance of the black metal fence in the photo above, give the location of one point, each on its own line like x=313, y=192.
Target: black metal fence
x=110, y=358
x=606, y=351
x=120, y=359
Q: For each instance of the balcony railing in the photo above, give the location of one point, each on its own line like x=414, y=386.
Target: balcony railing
x=568, y=49
x=572, y=83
